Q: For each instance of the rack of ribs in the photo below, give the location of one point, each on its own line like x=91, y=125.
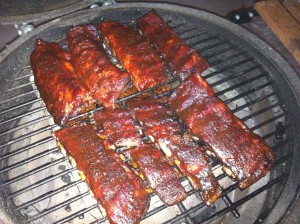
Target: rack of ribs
x=118, y=127
x=135, y=54
x=121, y=129
x=161, y=124
x=120, y=192
x=160, y=176
x=183, y=60
x=57, y=82
x=102, y=78
x=244, y=155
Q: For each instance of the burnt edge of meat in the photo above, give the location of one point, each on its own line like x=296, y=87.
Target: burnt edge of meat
x=102, y=78
x=57, y=82
x=121, y=193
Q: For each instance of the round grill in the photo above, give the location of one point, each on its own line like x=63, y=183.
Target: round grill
x=38, y=184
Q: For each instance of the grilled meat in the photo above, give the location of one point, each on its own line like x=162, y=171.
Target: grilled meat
x=163, y=127
x=118, y=127
x=158, y=120
x=160, y=176
x=246, y=157
x=190, y=160
x=57, y=82
x=120, y=192
x=192, y=90
x=135, y=53
x=183, y=60
x=102, y=78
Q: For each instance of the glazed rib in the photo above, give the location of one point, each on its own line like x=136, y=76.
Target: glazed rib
x=135, y=53
x=120, y=192
x=163, y=127
x=158, y=121
x=119, y=128
x=190, y=160
x=57, y=82
x=183, y=60
x=159, y=174
x=103, y=79
x=245, y=156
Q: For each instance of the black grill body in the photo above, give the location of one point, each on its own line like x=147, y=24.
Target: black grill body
x=38, y=184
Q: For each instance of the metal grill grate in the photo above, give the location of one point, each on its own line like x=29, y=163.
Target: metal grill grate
x=44, y=187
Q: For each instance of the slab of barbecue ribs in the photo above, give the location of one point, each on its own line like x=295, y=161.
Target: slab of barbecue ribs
x=102, y=78
x=160, y=176
x=182, y=59
x=162, y=126
x=245, y=156
x=57, y=82
x=121, y=193
x=118, y=128
x=135, y=54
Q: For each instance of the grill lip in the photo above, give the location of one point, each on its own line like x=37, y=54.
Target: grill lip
x=291, y=77
x=46, y=15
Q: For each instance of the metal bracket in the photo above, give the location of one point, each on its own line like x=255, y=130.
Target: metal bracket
x=24, y=28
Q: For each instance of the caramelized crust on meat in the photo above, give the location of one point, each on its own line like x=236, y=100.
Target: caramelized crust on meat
x=115, y=186
x=192, y=90
x=240, y=150
x=182, y=59
x=190, y=160
x=159, y=174
x=118, y=127
x=163, y=127
x=158, y=120
x=57, y=82
x=135, y=53
x=103, y=79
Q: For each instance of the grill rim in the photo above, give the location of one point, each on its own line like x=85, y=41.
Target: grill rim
x=47, y=15
x=271, y=55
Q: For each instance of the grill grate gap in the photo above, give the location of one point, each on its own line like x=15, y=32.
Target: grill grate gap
x=48, y=194
x=34, y=171
x=58, y=206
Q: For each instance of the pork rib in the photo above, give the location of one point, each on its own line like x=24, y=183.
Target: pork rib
x=245, y=156
x=163, y=127
x=119, y=128
x=182, y=59
x=135, y=53
x=160, y=176
x=120, y=192
x=57, y=82
x=103, y=79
